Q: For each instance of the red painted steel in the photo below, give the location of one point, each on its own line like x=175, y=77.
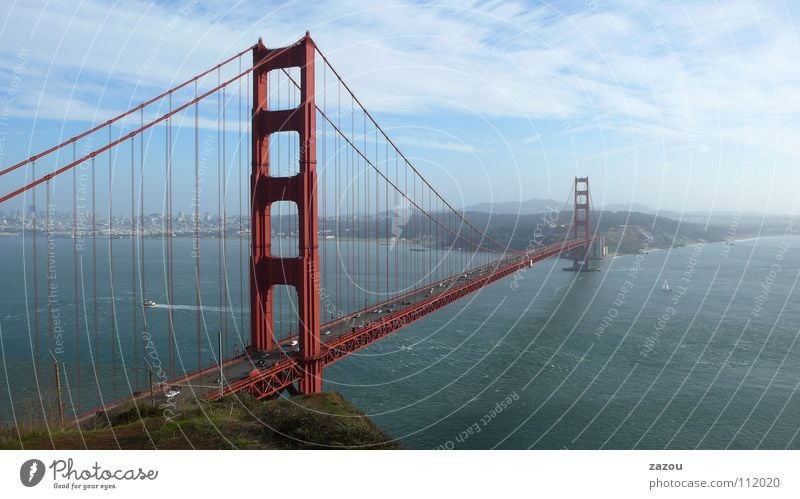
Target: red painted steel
x=124, y=138
x=580, y=223
x=266, y=269
x=302, y=272
x=263, y=383
x=404, y=157
x=119, y=117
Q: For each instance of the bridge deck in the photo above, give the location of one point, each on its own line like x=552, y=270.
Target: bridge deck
x=266, y=373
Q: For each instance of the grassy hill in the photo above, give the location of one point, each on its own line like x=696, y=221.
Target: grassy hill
x=316, y=421
x=625, y=231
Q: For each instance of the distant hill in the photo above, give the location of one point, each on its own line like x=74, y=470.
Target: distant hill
x=529, y=207
x=536, y=206
x=625, y=231
x=638, y=207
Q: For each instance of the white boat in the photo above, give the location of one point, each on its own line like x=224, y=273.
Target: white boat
x=665, y=286
x=148, y=303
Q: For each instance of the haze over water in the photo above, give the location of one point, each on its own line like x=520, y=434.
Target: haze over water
x=546, y=359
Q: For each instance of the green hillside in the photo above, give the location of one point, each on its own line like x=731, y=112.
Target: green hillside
x=317, y=421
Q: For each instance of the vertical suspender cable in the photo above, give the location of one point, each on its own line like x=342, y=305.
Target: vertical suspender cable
x=351, y=178
x=142, y=287
x=76, y=406
x=337, y=206
x=134, y=327
x=219, y=219
x=377, y=246
x=430, y=238
x=417, y=227
x=365, y=235
x=47, y=270
x=111, y=272
x=241, y=212
x=36, y=339
x=226, y=292
x=407, y=252
x=386, y=220
x=170, y=297
x=397, y=216
x=248, y=162
x=322, y=267
x=94, y=277
x=196, y=216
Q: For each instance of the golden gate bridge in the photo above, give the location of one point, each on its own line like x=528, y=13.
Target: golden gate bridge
x=329, y=241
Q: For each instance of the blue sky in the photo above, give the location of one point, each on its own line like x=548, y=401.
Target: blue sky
x=678, y=105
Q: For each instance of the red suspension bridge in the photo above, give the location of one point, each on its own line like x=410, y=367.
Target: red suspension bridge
x=157, y=274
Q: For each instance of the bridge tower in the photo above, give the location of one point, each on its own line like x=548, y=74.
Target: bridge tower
x=580, y=224
x=266, y=269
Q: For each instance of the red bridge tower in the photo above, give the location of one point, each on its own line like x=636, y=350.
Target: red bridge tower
x=267, y=270
x=580, y=224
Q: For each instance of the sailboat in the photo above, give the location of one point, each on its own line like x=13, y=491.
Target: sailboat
x=665, y=286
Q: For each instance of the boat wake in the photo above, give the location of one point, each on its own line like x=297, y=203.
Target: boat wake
x=195, y=308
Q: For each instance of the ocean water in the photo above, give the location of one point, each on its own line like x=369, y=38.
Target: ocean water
x=83, y=309
x=601, y=360
x=546, y=359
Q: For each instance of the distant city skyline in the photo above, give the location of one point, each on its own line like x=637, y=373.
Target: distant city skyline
x=493, y=103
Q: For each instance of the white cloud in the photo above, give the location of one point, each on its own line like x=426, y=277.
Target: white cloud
x=430, y=143
x=499, y=60
x=701, y=73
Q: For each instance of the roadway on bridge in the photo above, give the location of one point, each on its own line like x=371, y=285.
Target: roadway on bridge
x=208, y=382
x=202, y=384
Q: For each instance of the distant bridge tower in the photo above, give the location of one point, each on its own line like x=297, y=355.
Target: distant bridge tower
x=267, y=270
x=580, y=224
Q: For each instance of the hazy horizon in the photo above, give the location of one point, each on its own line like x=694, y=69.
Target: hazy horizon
x=698, y=115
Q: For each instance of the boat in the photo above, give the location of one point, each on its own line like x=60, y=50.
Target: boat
x=665, y=286
x=417, y=249
x=148, y=303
